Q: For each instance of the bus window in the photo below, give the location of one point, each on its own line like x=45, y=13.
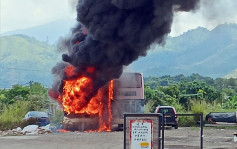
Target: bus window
x=130, y=80
x=127, y=93
x=129, y=86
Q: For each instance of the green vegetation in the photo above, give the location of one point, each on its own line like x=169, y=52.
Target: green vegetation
x=198, y=50
x=17, y=101
x=57, y=118
x=192, y=94
x=12, y=114
x=23, y=58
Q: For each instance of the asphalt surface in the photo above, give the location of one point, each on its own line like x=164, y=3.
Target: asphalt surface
x=174, y=139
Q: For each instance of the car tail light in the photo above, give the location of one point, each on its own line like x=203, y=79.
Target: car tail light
x=158, y=110
x=174, y=112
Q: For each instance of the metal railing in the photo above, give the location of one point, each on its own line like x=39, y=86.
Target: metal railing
x=161, y=132
x=201, y=126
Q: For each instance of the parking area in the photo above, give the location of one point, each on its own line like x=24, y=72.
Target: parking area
x=184, y=137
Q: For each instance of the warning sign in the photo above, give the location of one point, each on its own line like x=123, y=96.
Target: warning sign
x=141, y=134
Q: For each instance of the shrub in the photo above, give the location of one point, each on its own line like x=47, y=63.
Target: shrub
x=186, y=121
x=13, y=114
x=150, y=106
x=57, y=119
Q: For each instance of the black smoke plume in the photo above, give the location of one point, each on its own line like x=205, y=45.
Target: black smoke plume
x=118, y=32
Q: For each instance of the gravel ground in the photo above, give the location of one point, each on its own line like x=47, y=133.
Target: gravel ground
x=181, y=138
x=189, y=138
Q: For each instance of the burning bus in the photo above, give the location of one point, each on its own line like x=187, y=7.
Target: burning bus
x=123, y=95
x=128, y=96
x=109, y=35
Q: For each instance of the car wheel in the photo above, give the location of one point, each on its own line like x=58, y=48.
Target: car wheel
x=176, y=127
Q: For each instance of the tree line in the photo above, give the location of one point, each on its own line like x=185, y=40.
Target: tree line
x=188, y=94
x=181, y=91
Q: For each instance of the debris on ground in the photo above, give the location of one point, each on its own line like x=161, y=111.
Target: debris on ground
x=28, y=130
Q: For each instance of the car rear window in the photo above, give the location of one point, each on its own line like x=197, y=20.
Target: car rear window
x=166, y=110
x=36, y=114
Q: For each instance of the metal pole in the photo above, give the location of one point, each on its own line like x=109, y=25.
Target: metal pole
x=124, y=131
x=201, y=131
x=163, y=130
x=159, y=136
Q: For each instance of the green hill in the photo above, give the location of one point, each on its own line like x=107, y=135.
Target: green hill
x=24, y=59
x=210, y=53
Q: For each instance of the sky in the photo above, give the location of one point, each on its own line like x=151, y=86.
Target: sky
x=20, y=14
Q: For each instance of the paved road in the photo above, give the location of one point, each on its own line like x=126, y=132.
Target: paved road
x=73, y=140
x=188, y=138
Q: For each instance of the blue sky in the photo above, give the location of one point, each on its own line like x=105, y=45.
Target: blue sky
x=19, y=14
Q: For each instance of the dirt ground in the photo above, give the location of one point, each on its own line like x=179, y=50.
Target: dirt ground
x=181, y=138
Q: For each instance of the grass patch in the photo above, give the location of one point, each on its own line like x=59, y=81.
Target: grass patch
x=57, y=119
x=13, y=114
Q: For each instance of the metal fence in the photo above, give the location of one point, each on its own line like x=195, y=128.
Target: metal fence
x=161, y=123
x=201, y=126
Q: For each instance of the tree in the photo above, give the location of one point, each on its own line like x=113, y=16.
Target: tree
x=231, y=103
x=37, y=88
x=171, y=90
x=17, y=92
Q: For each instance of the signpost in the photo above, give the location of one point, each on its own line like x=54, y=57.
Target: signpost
x=141, y=134
x=142, y=131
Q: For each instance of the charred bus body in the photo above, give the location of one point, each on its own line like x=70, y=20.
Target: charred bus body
x=127, y=96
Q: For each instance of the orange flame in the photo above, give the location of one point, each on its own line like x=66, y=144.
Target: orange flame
x=70, y=71
x=111, y=90
x=90, y=69
x=74, y=99
x=62, y=130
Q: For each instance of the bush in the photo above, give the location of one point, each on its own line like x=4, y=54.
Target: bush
x=186, y=121
x=13, y=114
x=150, y=106
x=57, y=119
x=38, y=102
x=203, y=107
x=178, y=107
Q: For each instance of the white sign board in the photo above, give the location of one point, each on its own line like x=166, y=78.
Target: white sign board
x=141, y=134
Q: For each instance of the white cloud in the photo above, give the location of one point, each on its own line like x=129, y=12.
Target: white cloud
x=209, y=15
x=17, y=14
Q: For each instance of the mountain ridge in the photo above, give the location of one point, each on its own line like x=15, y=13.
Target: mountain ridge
x=210, y=53
x=187, y=54
x=49, y=32
x=24, y=59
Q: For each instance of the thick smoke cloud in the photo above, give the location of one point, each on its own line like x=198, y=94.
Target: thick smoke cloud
x=119, y=32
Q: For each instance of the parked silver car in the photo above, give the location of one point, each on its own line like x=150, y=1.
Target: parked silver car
x=37, y=118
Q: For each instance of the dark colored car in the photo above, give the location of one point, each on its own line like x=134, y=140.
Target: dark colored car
x=170, y=115
x=36, y=118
